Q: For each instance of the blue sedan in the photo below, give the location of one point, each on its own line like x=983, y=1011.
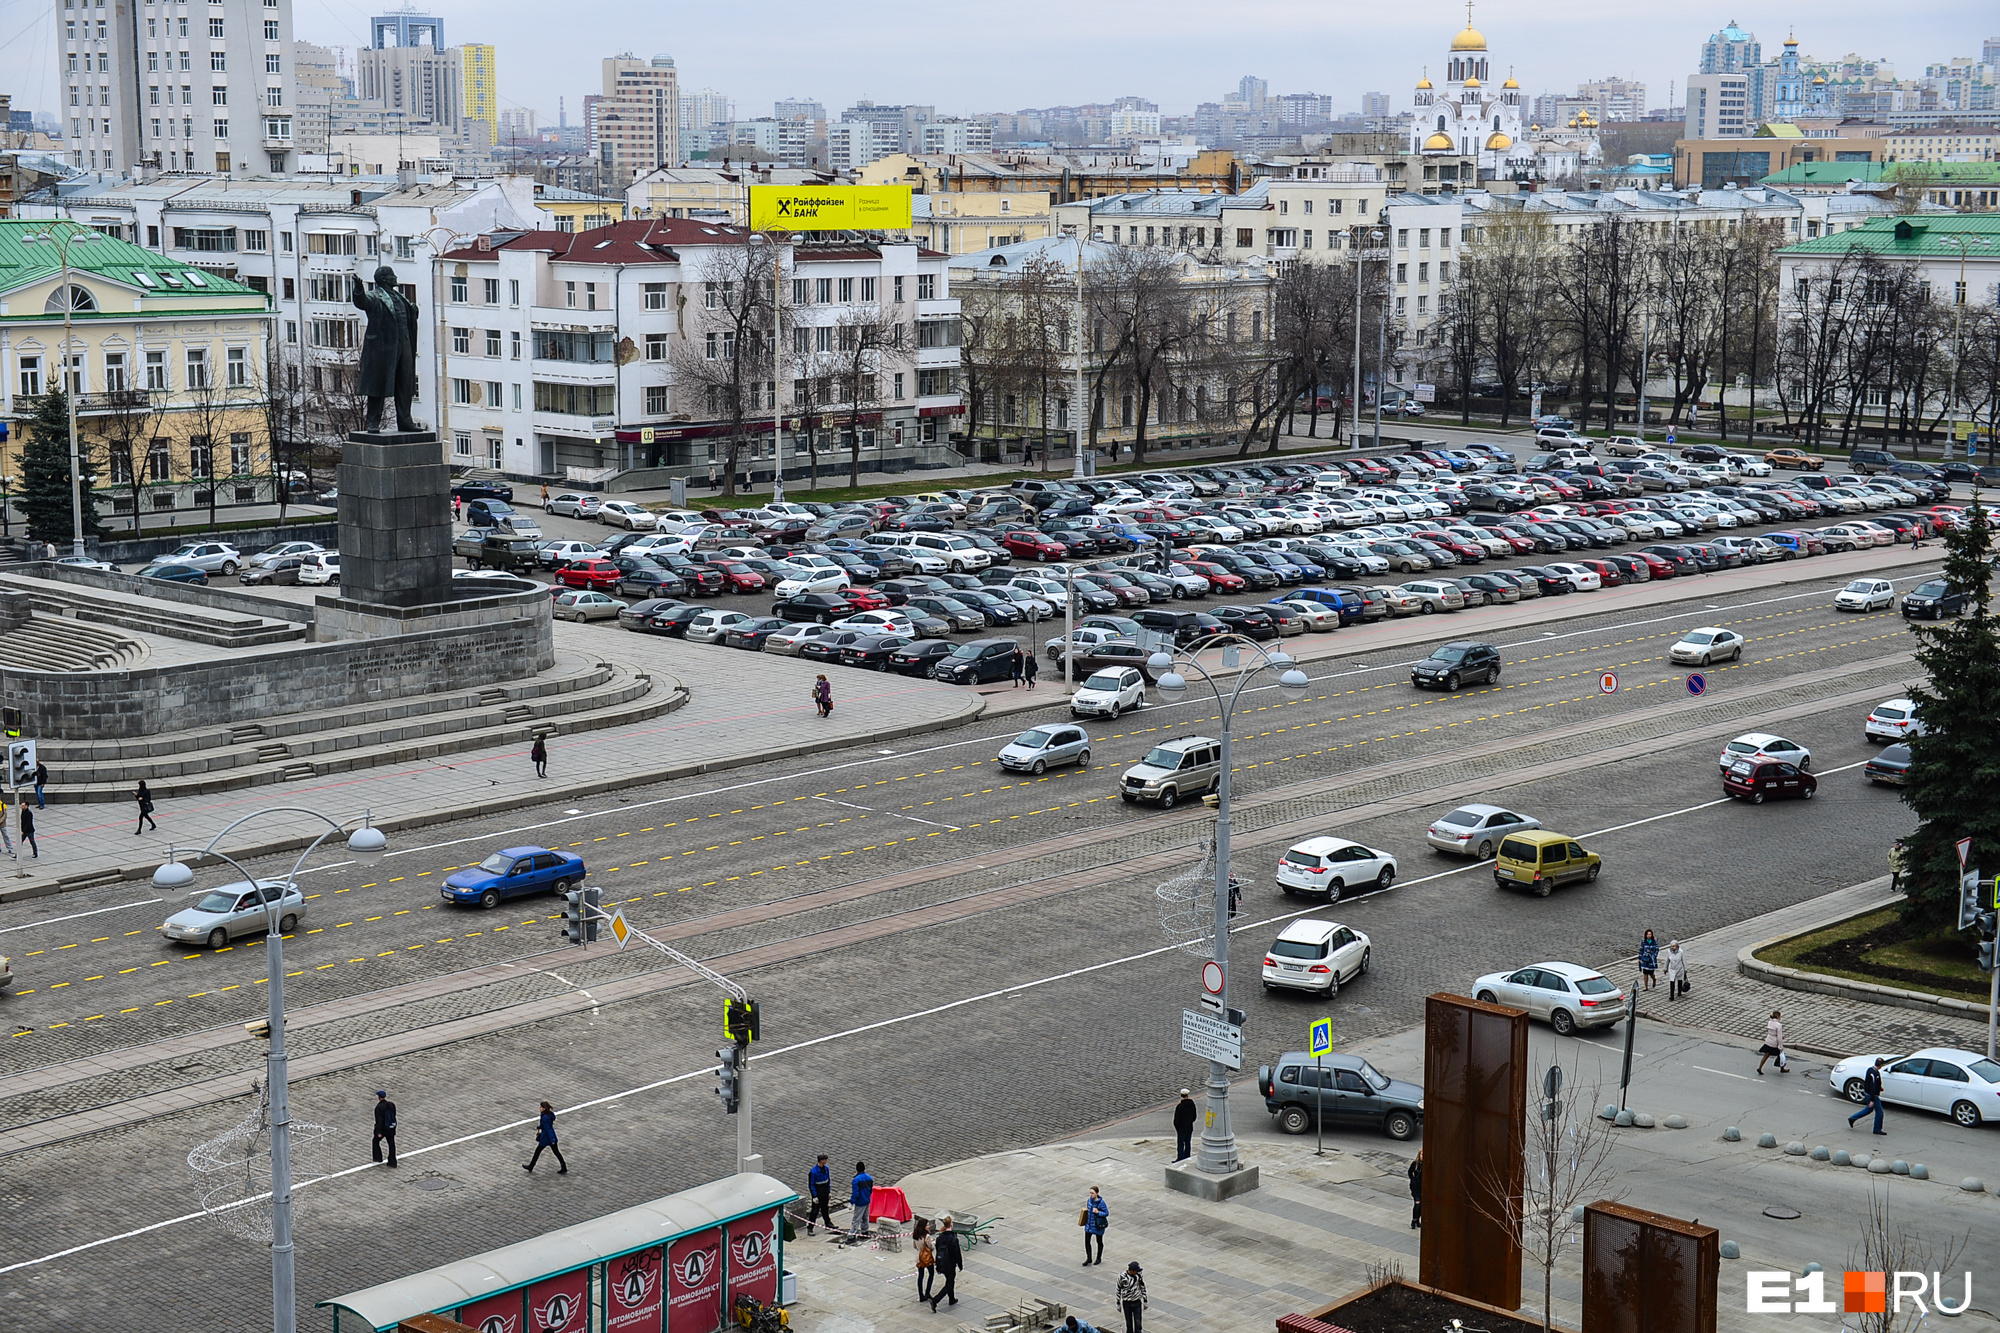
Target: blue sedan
x=511, y=873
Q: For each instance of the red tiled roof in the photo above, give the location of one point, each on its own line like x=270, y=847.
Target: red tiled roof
x=642, y=241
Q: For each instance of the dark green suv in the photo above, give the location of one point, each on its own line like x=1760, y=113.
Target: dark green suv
x=1345, y=1089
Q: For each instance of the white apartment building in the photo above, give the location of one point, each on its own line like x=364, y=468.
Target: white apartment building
x=186, y=87
x=538, y=385
x=853, y=144
x=1719, y=107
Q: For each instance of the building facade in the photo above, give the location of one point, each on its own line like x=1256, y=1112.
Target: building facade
x=1467, y=118
x=637, y=117
x=1720, y=106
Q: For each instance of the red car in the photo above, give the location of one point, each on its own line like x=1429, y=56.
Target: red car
x=596, y=575
x=1033, y=545
x=1219, y=579
x=1562, y=488
x=1458, y=546
x=864, y=599
x=1757, y=783
x=737, y=577
x=1659, y=568
x=1609, y=574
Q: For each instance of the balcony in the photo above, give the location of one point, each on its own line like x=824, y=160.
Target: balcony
x=579, y=319
x=574, y=372
x=119, y=400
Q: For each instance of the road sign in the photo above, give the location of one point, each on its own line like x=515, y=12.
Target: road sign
x=1697, y=683
x=1670, y=435
x=1964, y=850
x=1320, y=1040
x=1211, y=977
x=1608, y=683
x=1211, y=1039
x=619, y=930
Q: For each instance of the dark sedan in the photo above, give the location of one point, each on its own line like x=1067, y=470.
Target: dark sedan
x=1252, y=622
x=650, y=582
x=751, y=634
x=639, y=616
x=873, y=651
x=702, y=580
x=174, y=573
x=1677, y=557
x=1551, y=583
x=828, y=647
x=673, y=620
x=917, y=659
x=1890, y=767
x=818, y=607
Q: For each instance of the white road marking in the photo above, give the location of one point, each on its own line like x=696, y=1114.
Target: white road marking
x=50, y=921
x=1724, y=1072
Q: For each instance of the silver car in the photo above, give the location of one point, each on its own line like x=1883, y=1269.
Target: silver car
x=271, y=555
x=1566, y=995
x=1436, y=595
x=208, y=557
x=235, y=910
x=1047, y=746
x=1476, y=830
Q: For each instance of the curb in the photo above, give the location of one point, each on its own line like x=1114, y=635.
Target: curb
x=1818, y=983
x=973, y=706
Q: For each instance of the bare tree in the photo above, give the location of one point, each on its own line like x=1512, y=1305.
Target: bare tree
x=1143, y=297
x=131, y=418
x=1509, y=262
x=1600, y=275
x=866, y=339
x=1568, y=1158
x=1819, y=318
x=723, y=359
x=1691, y=270
x=211, y=408
x=1887, y=1247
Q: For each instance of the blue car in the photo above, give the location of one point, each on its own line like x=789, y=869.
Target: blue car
x=512, y=873
x=1352, y=609
x=174, y=573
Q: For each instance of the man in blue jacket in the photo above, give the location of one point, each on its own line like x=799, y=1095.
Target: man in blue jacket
x=858, y=1195
x=819, y=1181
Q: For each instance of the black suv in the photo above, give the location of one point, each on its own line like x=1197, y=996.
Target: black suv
x=1868, y=462
x=978, y=662
x=1933, y=601
x=1351, y=1094
x=1456, y=664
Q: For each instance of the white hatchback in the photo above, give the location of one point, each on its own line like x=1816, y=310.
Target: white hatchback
x=1893, y=720
x=1866, y=595
x=1329, y=867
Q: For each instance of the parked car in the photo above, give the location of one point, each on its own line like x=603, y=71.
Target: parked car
x=574, y=504
x=1893, y=720
x=1565, y=995
x=281, y=571
x=176, y=573
x=513, y=873
x=582, y=605
x=475, y=489
x=320, y=568
x=1760, y=746
x=1890, y=767
x=1950, y=1082
x=979, y=662
x=1352, y=1094
x=232, y=911
x=270, y=555
x=208, y=557
x=625, y=514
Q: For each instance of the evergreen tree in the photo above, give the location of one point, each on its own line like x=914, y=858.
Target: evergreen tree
x=45, y=492
x=1954, y=779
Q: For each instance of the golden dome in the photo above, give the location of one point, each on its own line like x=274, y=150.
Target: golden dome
x=1498, y=142
x=1472, y=83
x=1469, y=40
x=1439, y=143
x=1510, y=83
x=1423, y=84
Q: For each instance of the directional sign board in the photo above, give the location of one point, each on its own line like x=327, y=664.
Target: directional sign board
x=1320, y=1040
x=1212, y=1039
x=1697, y=683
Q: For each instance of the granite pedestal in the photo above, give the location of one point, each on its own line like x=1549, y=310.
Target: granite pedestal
x=395, y=519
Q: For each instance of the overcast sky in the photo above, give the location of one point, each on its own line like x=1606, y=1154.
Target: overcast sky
x=972, y=57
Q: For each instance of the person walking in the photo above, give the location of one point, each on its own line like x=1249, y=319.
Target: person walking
x=457, y=507
x=1019, y=670
x=713, y=482
x=1677, y=970
x=1871, y=1087
x=920, y=1236
x=41, y=781
x=545, y=1137
x=822, y=695
x=949, y=1259
x=385, y=1126
x=1132, y=1295
x=28, y=831
x=1649, y=962
x=1774, y=1044
x=145, y=799
x=545, y=495
x=539, y=753
x=1185, y=1112
x=858, y=1195
x=819, y=1184
x=1029, y=666
x=1417, y=1190
x=1094, y=1218
x=6, y=838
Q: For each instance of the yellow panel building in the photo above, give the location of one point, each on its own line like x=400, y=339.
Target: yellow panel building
x=482, y=88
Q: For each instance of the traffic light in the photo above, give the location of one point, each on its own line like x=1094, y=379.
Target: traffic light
x=573, y=926
x=725, y=1077
x=739, y=1021
x=593, y=906
x=1989, y=925
x=20, y=763
x=11, y=721
x=1968, y=899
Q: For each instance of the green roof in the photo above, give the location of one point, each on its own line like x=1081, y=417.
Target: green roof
x=25, y=261
x=1923, y=235
x=1935, y=175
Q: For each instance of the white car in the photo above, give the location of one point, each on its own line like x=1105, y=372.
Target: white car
x=1757, y=746
x=1709, y=644
x=1109, y=692
x=1866, y=595
x=1476, y=830
x=232, y=911
x=1330, y=867
x=1085, y=638
x=574, y=504
x=1216, y=528
x=878, y=622
x=1315, y=956
x=320, y=567
x=1033, y=606
x=1317, y=617
x=1749, y=466
x=1647, y=524
x=1951, y=1082
x=1567, y=996
x=815, y=573
x=625, y=514
x=711, y=626
x=264, y=559
x=557, y=554
x=1580, y=577
x=1893, y=720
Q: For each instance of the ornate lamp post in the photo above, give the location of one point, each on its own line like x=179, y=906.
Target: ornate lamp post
x=67, y=376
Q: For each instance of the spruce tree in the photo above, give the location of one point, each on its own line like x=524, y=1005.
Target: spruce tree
x=45, y=491
x=1954, y=778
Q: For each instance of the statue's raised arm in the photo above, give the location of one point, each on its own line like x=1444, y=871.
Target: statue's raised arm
x=388, y=349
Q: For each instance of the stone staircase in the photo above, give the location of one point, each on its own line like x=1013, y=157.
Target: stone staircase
x=55, y=643
x=211, y=625
x=578, y=694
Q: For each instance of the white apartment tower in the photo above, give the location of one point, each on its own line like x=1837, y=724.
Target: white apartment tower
x=186, y=85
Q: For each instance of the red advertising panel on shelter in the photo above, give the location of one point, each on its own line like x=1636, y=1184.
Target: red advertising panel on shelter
x=694, y=1283
x=632, y=1293
x=560, y=1304
x=753, y=1258
x=495, y=1314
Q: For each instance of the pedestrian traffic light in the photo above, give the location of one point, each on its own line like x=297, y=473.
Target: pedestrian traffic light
x=739, y=1020
x=20, y=763
x=725, y=1077
x=573, y=909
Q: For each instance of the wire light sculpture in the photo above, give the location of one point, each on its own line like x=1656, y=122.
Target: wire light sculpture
x=1187, y=906
x=232, y=1171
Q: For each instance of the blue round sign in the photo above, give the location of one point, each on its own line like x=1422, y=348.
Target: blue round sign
x=1697, y=683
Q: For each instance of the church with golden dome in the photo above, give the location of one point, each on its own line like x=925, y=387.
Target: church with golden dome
x=1470, y=117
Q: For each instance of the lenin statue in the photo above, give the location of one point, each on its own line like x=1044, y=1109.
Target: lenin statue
x=388, y=349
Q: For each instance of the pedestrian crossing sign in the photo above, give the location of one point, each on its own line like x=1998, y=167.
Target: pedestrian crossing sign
x=619, y=930
x=1321, y=1040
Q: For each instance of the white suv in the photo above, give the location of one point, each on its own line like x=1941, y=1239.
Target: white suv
x=1315, y=956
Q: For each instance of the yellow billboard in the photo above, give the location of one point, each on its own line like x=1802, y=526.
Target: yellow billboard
x=829, y=207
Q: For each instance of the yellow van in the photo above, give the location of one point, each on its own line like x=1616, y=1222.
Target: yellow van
x=1540, y=859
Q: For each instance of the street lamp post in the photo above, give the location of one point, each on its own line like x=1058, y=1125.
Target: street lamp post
x=1361, y=256
x=74, y=235
x=1959, y=296
x=1218, y=1140
x=366, y=845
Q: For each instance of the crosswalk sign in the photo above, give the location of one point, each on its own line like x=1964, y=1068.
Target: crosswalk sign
x=1321, y=1040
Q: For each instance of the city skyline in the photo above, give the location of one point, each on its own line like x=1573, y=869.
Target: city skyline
x=1176, y=56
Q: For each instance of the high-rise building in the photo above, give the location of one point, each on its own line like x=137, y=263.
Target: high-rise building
x=518, y=124
x=907, y=122
x=316, y=71
x=1732, y=50
x=638, y=116
x=1252, y=91
x=1719, y=107
x=704, y=115
x=208, y=91
x=1374, y=106
x=1614, y=99
x=799, y=108
x=411, y=76
x=482, y=90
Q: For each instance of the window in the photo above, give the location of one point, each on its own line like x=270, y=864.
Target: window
x=590, y=296
x=931, y=383
x=495, y=393
x=236, y=365
x=1256, y=326
x=899, y=291
x=257, y=241
x=270, y=30
x=335, y=333
x=514, y=292
x=459, y=294
x=492, y=342
x=514, y=338
x=461, y=444
x=285, y=242
x=222, y=132
x=801, y=291
x=1423, y=273
x=215, y=27
x=217, y=62
x=656, y=347
x=274, y=64
x=517, y=397
x=868, y=285
x=160, y=464
x=239, y=453
x=556, y=345
x=569, y=295
x=899, y=386
x=576, y=400
x=656, y=400
x=201, y=456
x=31, y=375
x=655, y=295
x=461, y=341
x=461, y=392
x=1402, y=238
x=156, y=371
x=927, y=286
x=825, y=338
x=197, y=367
x=847, y=291
x=212, y=239
x=116, y=379
x=341, y=243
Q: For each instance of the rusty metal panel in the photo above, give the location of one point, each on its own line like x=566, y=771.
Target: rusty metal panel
x=433, y=1323
x=1647, y=1271
x=1475, y=1129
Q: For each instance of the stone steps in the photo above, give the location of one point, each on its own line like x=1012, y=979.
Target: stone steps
x=56, y=643
x=170, y=620
x=607, y=695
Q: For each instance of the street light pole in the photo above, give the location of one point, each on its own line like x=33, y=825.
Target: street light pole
x=1958, y=298
x=1218, y=1139
x=75, y=235
x=1080, y=409
x=366, y=845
